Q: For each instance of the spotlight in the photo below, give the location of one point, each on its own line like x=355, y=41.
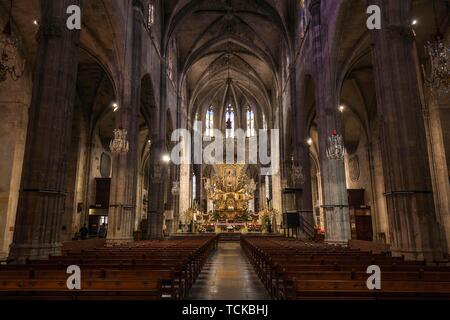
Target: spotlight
x=414, y=22
x=166, y=158
x=341, y=108
x=35, y=22
x=309, y=141
x=115, y=107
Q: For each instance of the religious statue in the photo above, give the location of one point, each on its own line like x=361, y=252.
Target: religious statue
x=230, y=189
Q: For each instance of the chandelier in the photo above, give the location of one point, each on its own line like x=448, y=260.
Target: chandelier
x=439, y=52
x=9, y=52
x=119, y=144
x=336, y=149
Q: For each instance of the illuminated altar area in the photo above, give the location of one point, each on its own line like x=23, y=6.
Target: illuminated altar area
x=230, y=191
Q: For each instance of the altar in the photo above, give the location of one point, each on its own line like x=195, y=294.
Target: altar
x=230, y=190
x=239, y=227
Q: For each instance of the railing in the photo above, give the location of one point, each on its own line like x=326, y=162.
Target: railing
x=306, y=227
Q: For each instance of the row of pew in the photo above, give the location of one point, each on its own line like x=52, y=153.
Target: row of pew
x=148, y=270
x=297, y=270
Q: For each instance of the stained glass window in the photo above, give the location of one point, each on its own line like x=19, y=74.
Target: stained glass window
x=170, y=62
x=229, y=122
x=210, y=122
x=194, y=187
x=302, y=19
x=151, y=15
x=251, y=132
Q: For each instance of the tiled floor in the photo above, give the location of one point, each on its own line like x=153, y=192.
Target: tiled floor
x=228, y=276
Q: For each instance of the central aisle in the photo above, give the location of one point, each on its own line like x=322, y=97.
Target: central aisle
x=228, y=276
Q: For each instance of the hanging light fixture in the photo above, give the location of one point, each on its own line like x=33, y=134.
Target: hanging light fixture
x=439, y=53
x=9, y=52
x=336, y=148
x=119, y=145
x=229, y=133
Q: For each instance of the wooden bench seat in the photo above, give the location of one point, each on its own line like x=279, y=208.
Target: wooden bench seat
x=150, y=270
x=292, y=269
x=173, y=284
x=91, y=289
x=305, y=289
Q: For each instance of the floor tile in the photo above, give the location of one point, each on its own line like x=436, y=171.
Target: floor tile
x=228, y=276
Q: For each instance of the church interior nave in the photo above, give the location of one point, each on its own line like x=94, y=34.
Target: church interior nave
x=224, y=149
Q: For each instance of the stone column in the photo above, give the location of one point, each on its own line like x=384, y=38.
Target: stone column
x=14, y=115
x=170, y=199
x=42, y=194
x=122, y=208
x=379, y=212
x=416, y=233
x=158, y=171
x=277, y=199
x=184, y=192
x=301, y=152
x=176, y=201
x=320, y=199
x=439, y=172
x=334, y=189
x=304, y=196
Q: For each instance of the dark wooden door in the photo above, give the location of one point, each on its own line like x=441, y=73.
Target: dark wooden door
x=364, y=228
x=102, y=191
x=93, y=224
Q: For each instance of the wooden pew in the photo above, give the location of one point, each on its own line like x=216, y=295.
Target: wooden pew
x=356, y=289
x=91, y=289
x=143, y=270
x=292, y=269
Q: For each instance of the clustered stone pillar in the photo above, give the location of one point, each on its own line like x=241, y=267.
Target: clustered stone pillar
x=302, y=159
x=122, y=207
x=42, y=194
x=175, y=192
x=304, y=196
x=158, y=171
x=334, y=189
x=435, y=135
x=415, y=231
x=123, y=197
x=170, y=206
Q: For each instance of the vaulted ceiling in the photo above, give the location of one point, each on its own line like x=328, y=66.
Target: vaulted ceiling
x=229, y=51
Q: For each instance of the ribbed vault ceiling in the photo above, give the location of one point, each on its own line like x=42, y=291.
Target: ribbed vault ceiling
x=219, y=40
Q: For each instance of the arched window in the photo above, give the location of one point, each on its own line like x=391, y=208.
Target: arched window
x=170, y=61
x=210, y=122
x=194, y=187
x=251, y=132
x=229, y=122
x=151, y=15
x=197, y=125
x=302, y=19
x=267, y=187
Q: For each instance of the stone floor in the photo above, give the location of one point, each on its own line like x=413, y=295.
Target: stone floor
x=228, y=276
